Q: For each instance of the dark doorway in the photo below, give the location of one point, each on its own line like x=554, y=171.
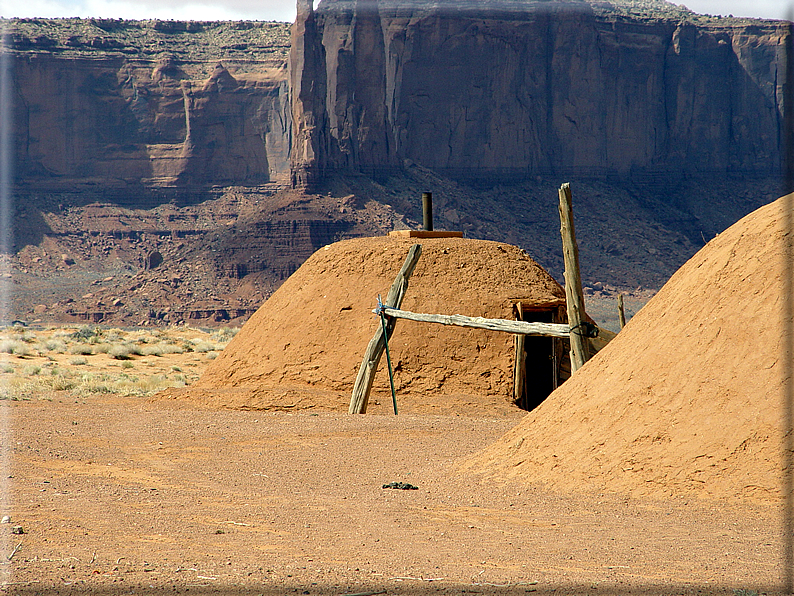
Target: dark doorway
x=541, y=358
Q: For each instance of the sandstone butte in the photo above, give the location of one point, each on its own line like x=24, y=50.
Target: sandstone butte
x=505, y=90
x=135, y=106
x=687, y=400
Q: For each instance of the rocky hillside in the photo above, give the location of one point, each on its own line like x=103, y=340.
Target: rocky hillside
x=128, y=135
x=155, y=160
x=209, y=263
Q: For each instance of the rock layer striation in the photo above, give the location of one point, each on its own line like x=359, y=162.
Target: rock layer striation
x=137, y=106
x=511, y=89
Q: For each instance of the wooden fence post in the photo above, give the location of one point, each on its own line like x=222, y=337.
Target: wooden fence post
x=520, y=365
x=573, y=281
x=621, y=311
x=369, y=365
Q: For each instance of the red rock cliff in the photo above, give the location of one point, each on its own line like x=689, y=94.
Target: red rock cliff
x=517, y=88
x=145, y=105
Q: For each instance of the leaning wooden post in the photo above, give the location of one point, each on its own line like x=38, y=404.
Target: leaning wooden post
x=621, y=311
x=369, y=365
x=574, y=298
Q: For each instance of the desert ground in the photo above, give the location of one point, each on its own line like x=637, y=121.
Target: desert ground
x=115, y=491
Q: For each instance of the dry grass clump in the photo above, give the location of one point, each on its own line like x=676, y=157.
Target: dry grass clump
x=202, y=347
x=91, y=360
x=31, y=370
x=162, y=348
x=13, y=346
x=55, y=345
x=225, y=334
x=81, y=349
x=122, y=384
x=123, y=351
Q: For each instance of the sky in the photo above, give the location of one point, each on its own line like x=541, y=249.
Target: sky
x=284, y=10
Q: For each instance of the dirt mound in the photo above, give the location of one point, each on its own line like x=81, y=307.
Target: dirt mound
x=303, y=347
x=686, y=400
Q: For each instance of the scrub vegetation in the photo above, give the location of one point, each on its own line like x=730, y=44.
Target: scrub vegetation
x=76, y=362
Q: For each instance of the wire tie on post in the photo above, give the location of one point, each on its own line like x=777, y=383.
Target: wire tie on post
x=379, y=311
x=587, y=330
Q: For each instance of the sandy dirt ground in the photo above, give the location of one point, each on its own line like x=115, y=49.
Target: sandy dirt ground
x=125, y=495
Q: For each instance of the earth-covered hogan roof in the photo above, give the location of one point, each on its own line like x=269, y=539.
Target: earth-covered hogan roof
x=687, y=400
x=303, y=347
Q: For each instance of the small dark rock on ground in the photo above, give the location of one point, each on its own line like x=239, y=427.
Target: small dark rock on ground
x=401, y=486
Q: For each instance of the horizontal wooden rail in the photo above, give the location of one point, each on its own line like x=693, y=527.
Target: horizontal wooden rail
x=518, y=327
